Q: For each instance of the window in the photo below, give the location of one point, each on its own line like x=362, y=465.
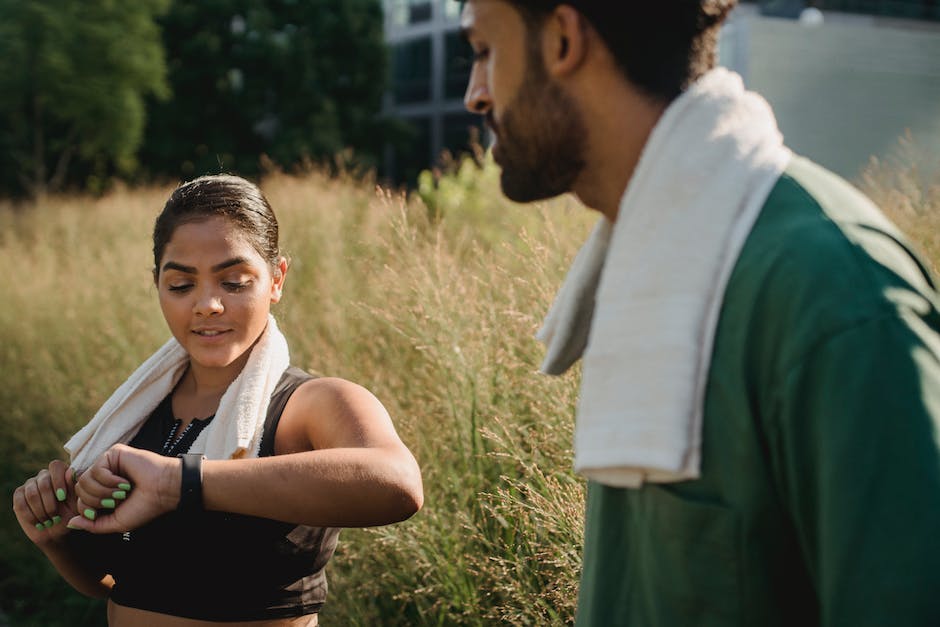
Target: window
x=404, y=12
x=458, y=61
x=411, y=71
x=419, y=12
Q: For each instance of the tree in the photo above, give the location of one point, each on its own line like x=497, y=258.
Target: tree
x=292, y=79
x=73, y=75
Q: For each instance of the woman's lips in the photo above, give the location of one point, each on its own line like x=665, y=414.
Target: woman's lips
x=210, y=334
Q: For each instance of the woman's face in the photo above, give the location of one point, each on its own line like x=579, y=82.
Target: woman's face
x=215, y=292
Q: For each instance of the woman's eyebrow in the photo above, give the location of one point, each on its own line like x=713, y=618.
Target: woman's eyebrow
x=172, y=265
x=234, y=261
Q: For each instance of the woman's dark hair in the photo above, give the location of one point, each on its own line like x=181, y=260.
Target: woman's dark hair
x=221, y=195
x=661, y=46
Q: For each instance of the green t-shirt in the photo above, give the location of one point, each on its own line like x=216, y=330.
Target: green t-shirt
x=819, y=499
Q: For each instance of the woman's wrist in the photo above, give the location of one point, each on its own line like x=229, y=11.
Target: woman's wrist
x=169, y=492
x=53, y=546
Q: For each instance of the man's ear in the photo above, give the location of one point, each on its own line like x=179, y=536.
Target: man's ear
x=564, y=41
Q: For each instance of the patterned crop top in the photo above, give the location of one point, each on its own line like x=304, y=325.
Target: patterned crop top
x=200, y=566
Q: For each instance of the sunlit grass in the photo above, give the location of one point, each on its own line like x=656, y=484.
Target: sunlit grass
x=431, y=307
x=430, y=301
x=906, y=184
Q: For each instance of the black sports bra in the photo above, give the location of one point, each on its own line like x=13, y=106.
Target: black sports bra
x=217, y=566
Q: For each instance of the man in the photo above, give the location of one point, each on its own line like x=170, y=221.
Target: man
x=760, y=401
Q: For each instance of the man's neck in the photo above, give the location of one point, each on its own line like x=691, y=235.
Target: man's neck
x=619, y=121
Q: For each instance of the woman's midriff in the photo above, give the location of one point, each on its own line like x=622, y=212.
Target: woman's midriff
x=121, y=616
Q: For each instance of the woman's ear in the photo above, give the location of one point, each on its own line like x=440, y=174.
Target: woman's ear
x=564, y=41
x=277, y=279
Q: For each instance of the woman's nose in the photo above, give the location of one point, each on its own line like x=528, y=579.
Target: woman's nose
x=208, y=302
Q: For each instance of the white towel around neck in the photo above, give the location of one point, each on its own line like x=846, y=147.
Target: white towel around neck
x=642, y=298
x=234, y=432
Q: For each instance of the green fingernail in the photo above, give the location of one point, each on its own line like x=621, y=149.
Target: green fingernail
x=60, y=494
x=124, y=486
x=56, y=520
x=119, y=495
x=89, y=514
x=40, y=526
x=109, y=503
x=47, y=524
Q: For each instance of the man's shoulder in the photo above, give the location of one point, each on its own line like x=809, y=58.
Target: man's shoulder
x=821, y=258
x=818, y=238
x=816, y=219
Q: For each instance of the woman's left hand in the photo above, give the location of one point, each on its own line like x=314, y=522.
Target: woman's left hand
x=151, y=484
x=44, y=502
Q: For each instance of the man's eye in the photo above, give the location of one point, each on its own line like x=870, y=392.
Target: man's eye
x=481, y=55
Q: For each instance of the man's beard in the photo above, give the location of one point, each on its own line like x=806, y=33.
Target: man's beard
x=540, y=139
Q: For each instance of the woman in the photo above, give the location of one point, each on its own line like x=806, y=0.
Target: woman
x=243, y=536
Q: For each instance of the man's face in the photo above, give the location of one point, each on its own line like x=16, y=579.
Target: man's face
x=539, y=133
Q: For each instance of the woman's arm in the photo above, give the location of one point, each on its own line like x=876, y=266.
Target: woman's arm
x=339, y=463
x=43, y=505
x=358, y=474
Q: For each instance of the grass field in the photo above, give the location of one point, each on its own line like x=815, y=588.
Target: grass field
x=429, y=300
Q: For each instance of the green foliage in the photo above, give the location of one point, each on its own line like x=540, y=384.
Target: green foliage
x=289, y=79
x=73, y=75
x=90, y=89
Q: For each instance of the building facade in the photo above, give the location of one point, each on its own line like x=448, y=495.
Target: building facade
x=845, y=85
x=848, y=84
x=430, y=65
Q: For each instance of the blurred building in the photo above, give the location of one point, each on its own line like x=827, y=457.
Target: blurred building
x=430, y=65
x=909, y=9
x=846, y=81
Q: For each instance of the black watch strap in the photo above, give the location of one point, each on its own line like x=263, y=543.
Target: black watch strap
x=191, y=483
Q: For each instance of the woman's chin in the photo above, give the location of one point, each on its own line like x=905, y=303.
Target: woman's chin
x=216, y=361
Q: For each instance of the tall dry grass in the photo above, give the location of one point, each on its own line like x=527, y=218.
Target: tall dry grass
x=906, y=184
x=431, y=301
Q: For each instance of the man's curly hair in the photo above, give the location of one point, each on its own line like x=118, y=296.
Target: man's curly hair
x=661, y=46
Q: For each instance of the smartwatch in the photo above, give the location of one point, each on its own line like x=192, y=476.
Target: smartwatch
x=191, y=483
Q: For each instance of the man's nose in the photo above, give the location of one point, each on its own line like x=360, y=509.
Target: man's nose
x=477, y=97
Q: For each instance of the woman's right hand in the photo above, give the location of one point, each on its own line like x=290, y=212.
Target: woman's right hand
x=45, y=503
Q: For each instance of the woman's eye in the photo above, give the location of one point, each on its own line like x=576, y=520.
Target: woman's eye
x=481, y=54
x=234, y=286
x=180, y=288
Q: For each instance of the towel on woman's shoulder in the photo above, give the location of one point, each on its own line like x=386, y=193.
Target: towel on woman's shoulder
x=642, y=298
x=234, y=432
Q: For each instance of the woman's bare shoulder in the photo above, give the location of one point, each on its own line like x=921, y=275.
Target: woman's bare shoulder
x=327, y=412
